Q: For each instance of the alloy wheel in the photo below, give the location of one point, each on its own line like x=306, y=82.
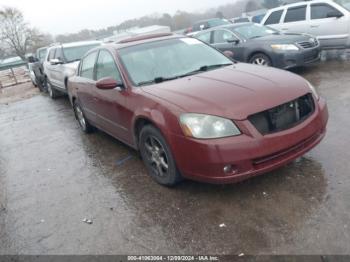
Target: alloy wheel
x=260, y=61
x=156, y=156
x=80, y=116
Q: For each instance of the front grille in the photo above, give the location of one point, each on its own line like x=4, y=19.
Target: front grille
x=308, y=44
x=284, y=116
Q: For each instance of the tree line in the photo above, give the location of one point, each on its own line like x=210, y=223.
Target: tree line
x=19, y=38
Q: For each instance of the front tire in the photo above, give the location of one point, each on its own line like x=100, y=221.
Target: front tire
x=157, y=157
x=80, y=117
x=260, y=59
x=53, y=93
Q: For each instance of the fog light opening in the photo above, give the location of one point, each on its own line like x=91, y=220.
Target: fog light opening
x=229, y=169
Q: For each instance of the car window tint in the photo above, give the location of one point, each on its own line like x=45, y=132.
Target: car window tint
x=205, y=37
x=295, y=14
x=51, y=54
x=106, y=67
x=274, y=18
x=87, y=66
x=321, y=11
x=222, y=36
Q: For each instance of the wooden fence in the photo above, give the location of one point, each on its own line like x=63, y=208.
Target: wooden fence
x=14, y=76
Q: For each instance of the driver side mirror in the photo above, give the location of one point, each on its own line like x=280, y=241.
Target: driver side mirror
x=335, y=14
x=108, y=83
x=55, y=61
x=228, y=54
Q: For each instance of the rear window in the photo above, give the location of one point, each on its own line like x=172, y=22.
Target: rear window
x=274, y=18
x=295, y=14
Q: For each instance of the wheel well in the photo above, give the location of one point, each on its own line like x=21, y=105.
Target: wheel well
x=255, y=53
x=139, y=124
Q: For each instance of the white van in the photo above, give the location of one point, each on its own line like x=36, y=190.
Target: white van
x=328, y=20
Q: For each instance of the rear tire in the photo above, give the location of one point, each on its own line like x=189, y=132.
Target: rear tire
x=157, y=156
x=84, y=124
x=260, y=59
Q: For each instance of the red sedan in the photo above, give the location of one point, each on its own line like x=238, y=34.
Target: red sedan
x=194, y=113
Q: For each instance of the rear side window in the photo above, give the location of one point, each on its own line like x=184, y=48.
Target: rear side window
x=205, y=37
x=274, y=18
x=106, y=67
x=295, y=14
x=321, y=11
x=87, y=66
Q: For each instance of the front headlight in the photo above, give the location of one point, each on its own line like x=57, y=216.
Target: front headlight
x=207, y=127
x=313, y=90
x=285, y=47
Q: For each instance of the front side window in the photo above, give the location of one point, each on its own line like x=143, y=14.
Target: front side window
x=51, y=54
x=295, y=14
x=321, y=11
x=167, y=59
x=205, y=37
x=76, y=53
x=274, y=18
x=87, y=66
x=58, y=54
x=42, y=54
x=223, y=36
x=106, y=67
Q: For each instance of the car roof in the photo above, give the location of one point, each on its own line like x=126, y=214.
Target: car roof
x=76, y=44
x=305, y=2
x=133, y=41
x=208, y=20
x=229, y=26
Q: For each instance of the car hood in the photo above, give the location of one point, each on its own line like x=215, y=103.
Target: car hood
x=71, y=68
x=234, y=92
x=289, y=38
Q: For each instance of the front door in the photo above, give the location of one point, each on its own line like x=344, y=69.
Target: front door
x=112, y=112
x=329, y=25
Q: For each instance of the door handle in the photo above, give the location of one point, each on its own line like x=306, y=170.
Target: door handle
x=285, y=29
x=314, y=26
x=96, y=99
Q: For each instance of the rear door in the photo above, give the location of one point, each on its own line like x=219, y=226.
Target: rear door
x=329, y=24
x=225, y=40
x=295, y=20
x=85, y=86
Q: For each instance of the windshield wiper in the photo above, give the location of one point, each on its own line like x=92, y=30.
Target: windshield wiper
x=164, y=79
x=205, y=68
x=157, y=80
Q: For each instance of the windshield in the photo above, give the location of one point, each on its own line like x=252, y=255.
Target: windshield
x=76, y=53
x=254, y=31
x=344, y=3
x=170, y=59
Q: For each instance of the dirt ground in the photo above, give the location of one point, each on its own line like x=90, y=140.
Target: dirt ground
x=16, y=93
x=52, y=176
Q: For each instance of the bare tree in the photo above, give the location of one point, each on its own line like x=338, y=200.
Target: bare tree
x=14, y=31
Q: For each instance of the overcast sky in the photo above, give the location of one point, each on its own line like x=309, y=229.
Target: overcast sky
x=68, y=16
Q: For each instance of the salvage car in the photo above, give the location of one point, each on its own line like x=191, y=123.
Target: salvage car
x=261, y=45
x=61, y=62
x=194, y=113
